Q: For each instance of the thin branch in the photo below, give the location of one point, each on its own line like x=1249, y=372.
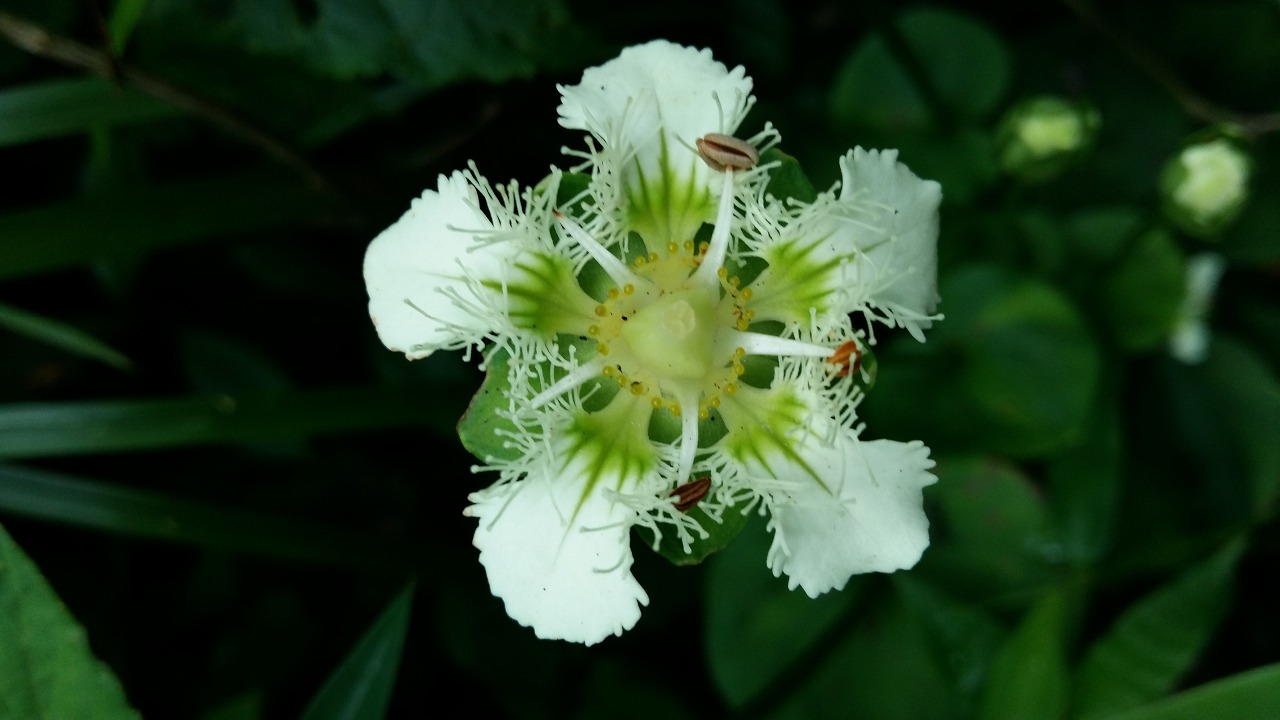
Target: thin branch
x=1193, y=104
x=38, y=41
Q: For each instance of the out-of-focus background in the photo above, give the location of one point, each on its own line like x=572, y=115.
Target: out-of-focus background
x=252, y=509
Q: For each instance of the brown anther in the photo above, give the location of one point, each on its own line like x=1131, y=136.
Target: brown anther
x=726, y=152
x=841, y=359
x=691, y=493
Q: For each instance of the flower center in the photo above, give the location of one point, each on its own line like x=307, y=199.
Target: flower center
x=673, y=338
x=664, y=337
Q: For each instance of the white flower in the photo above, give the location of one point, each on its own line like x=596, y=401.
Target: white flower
x=626, y=318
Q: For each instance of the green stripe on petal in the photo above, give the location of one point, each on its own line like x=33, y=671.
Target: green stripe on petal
x=672, y=204
x=761, y=426
x=544, y=296
x=799, y=277
x=612, y=443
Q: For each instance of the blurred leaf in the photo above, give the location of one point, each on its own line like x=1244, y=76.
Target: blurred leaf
x=1255, y=239
x=1250, y=694
x=220, y=365
x=47, y=671
x=1029, y=677
x=963, y=162
x=60, y=335
x=48, y=429
x=1100, y=234
x=432, y=43
x=1226, y=413
x=757, y=629
x=1013, y=370
x=964, y=637
x=360, y=688
x=1156, y=641
x=245, y=706
x=760, y=32
x=1084, y=485
x=993, y=521
x=628, y=692
x=69, y=106
x=1030, y=364
x=132, y=223
x=481, y=427
x=137, y=513
x=120, y=25
x=1143, y=294
x=966, y=63
x=872, y=88
x=884, y=668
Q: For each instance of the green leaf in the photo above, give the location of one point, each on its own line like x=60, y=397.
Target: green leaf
x=136, y=513
x=993, y=523
x=70, y=106
x=1224, y=414
x=757, y=629
x=124, y=18
x=1243, y=413
x=884, y=668
x=1084, y=486
x=1142, y=295
x=1251, y=694
x=964, y=638
x=48, y=429
x=47, y=671
x=218, y=364
x=637, y=691
x=1012, y=370
x=61, y=335
x=1155, y=642
x=431, y=43
x=482, y=426
x=1029, y=677
x=1030, y=365
x=872, y=88
x=130, y=223
x=360, y=688
x=1100, y=234
x=966, y=63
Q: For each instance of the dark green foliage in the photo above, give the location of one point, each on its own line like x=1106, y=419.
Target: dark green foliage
x=225, y=476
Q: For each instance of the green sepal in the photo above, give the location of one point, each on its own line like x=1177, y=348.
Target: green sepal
x=786, y=180
x=480, y=428
x=719, y=535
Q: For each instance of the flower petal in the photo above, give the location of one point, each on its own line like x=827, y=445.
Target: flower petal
x=868, y=518
x=560, y=562
x=896, y=240
x=415, y=272
x=872, y=249
x=647, y=107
